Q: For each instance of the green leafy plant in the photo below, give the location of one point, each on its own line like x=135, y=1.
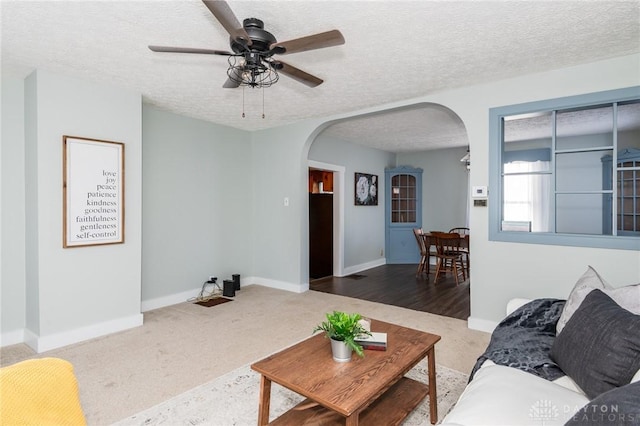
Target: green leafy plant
x=343, y=327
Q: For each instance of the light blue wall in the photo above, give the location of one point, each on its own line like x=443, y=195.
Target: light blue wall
x=197, y=198
x=12, y=266
x=444, y=187
x=275, y=166
x=279, y=232
x=82, y=292
x=503, y=270
x=363, y=225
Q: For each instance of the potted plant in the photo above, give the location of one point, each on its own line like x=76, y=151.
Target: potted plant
x=342, y=329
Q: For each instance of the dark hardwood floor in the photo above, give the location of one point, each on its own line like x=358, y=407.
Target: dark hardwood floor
x=398, y=285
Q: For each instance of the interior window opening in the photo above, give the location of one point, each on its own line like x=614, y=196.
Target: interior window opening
x=568, y=169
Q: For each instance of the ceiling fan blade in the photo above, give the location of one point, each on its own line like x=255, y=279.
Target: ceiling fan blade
x=235, y=82
x=189, y=50
x=298, y=75
x=227, y=18
x=316, y=41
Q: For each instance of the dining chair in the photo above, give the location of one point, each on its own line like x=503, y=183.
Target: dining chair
x=423, y=265
x=460, y=230
x=465, y=248
x=448, y=255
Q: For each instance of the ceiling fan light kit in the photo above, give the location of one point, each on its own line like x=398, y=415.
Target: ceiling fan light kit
x=250, y=71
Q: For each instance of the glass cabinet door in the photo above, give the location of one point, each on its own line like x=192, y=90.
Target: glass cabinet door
x=627, y=194
x=628, y=213
x=403, y=198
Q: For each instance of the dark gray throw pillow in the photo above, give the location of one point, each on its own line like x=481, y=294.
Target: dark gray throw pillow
x=599, y=347
x=619, y=406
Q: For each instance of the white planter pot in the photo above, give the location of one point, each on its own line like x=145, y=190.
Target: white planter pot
x=341, y=352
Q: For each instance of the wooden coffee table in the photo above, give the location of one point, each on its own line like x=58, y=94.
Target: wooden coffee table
x=371, y=390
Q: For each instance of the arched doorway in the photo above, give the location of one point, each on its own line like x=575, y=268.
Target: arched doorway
x=393, y=136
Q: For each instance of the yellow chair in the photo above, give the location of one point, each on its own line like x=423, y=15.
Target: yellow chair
x=40, y=392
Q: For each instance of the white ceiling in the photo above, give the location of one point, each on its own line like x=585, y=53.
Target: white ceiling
x=572, y=123
x=394, y=50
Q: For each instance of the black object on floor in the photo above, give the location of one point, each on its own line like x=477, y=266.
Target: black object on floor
x=236, y=281
x=229, y=288
x=356, y=276
x=213, y=302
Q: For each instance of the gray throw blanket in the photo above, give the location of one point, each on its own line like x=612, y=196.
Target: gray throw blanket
x=523, y=340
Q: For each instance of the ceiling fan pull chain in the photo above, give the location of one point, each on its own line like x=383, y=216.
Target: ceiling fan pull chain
x=263, y=103
x=242, y=101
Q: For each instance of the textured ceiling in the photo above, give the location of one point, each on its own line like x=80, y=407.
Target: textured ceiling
x=572, y=123
x=394, y=50
x=404, y=130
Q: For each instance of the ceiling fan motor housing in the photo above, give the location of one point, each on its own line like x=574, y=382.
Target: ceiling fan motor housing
x=261, y=40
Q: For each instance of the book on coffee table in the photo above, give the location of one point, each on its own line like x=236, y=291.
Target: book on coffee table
x=376, y=342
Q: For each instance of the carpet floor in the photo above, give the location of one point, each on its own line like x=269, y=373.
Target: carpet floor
x=183, y=346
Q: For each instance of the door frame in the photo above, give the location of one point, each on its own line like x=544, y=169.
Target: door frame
x=338, y=212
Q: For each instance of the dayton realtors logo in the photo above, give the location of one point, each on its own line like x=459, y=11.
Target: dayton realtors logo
x=546, y=411
x=543, y=411
x=605, y=413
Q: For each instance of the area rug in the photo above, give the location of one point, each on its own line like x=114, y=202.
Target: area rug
x=232, y=399
x=213, y=302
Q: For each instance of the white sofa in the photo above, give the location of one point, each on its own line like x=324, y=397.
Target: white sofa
x=502, y=395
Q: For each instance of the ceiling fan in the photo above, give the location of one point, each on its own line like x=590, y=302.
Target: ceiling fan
x=251, y=61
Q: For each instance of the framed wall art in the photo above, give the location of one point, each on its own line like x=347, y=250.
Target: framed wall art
x=366, y=189
x=92, y=192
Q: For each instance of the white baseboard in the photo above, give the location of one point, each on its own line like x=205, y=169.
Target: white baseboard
x=58, y=340
x=12, y=338
x=172, y=299
x=481, y=324
x=364, y=266
x=280, y=285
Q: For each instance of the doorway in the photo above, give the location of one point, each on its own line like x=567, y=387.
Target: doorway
x=320, y=223
x=326, y=220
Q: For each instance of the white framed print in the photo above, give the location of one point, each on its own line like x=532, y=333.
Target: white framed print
x=92, y=192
